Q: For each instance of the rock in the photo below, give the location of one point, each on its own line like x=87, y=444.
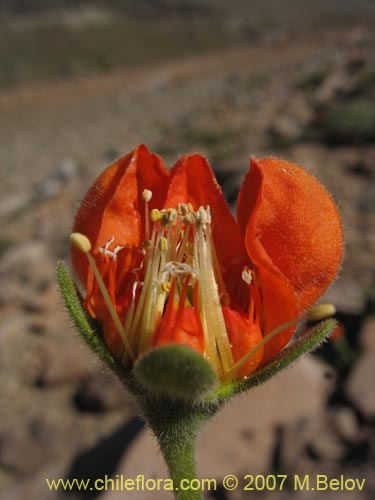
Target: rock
x=344, y=422
x=367, y=334
x=360, y=385
x=66, y=170
x=14, y=203
x=12, y=324
x=64, y=365
x=308, y=444
x=28, y=262
x=293, y=118
x=327, y=446
x=34, y=487
x=20, y=359
x=64, y=173
x=25, y=450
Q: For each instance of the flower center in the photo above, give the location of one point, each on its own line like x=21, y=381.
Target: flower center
x=178, y=294
x=180, y=271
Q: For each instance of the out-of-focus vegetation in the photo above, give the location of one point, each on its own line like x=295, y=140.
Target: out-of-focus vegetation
x=43, y=39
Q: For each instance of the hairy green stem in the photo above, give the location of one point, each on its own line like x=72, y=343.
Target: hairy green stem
x=176, y=425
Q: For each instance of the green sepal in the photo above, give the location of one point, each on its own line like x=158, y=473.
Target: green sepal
x=307, y=341
x=177, y=372
x=89, y=329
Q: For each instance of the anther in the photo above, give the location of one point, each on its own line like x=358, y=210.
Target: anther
x=146, y=194
x=320, y=311
x=155, y=215
x=165, y=287
x=202, y=215
x=174, y=268
x=164, y=221
x=208, y=214
x=163, y=244
x=182, y=209
x=247, y=275
x=147, y=244
x=112, y=253
x=172, y=214
x=190, y=218
x=81, y=242
x=117, y=249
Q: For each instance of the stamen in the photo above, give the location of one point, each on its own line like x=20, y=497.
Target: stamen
x=247, y=275
x=315, y=313
x=165, y=286
x=232, y=372
x=190, y=218
x=155, y=215
x=224, y=296
x=320, y=311
x=117, y=249
x=112, y=253
x=183, y=245
x=130, y=313
x=173, y=240
x=109, y=242
x=151, y=302
x=181, y=305
x=146, y=245
x=147, y=195
x=215, y=319
x=81, y=242
x=168, y=216
x=163, y=244
x=172, y=214
x=182, y=209
x=175, y=268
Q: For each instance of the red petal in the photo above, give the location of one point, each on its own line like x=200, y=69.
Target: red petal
x=244, y=336
x=113, y=206
x=180, y=324
x=187, y=332
x=293, y=236
x=192, y=180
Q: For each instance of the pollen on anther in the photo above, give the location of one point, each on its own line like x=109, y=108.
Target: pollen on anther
x=155, y=215
x=172, y=214
x=146, y=194
x=165, y=286
x=182, y=209
x=190, y=218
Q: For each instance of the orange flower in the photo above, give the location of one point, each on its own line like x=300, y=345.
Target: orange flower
x=176, y=267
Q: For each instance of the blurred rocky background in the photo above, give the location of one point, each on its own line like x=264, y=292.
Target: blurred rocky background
x=84, y=82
